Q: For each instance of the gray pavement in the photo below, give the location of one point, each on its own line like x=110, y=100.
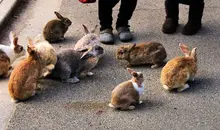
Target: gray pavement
x=84, y=105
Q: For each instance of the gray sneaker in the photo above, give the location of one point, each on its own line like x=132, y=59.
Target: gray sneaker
x=107, y=36
x=124, y=34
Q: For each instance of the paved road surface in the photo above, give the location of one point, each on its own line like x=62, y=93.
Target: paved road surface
x=84, y=106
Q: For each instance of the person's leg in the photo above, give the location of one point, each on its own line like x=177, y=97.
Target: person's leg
x=194, y=23
x=172, y=16
x=105, y=17
x=125, y=13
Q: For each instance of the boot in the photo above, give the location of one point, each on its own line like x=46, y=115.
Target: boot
x=172, y=15
x=195, y=19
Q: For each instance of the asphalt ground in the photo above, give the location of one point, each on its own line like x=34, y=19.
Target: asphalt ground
x=84, y=105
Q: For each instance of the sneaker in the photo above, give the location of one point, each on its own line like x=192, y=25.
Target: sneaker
x=169, y=26
x=124, y=34
x=107, y=36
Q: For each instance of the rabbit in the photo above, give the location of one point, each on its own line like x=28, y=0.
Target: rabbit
x=71, y=63
x=179, y=70
x=8, y=54
x=127, y=94
x=143, y=53
x=47, y=54
x=88, y=40
x=23, y=80
x=55, y=29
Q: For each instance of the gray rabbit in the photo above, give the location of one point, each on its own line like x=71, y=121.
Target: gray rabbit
x=70, y=63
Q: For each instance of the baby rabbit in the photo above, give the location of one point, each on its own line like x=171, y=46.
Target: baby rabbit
x=142, y=53
x=8, y=54
x=47, y=54
x=55, y=29
x=179, y=70
x=89, y=40
x=127, y=94
x=70, y=63
x=23, y=80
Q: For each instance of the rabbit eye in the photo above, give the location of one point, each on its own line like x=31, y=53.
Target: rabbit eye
x=121, y=52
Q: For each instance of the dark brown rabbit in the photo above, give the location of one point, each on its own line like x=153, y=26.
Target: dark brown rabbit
x=127, y=94
x=55, y=29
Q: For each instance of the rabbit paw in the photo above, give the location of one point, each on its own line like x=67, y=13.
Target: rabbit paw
x=140, y=102
x=154, y=66
x=50, y=67
x=166, y=87
x=131, y=107
x=90, y=74
x=110, y=105
x=34, y=92
x=46, y=73
x=14, y=100
x=73, y=80
x=183, y=88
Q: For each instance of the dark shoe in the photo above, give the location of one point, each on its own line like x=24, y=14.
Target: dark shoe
x=124, y=34
x=170, y=25
x=191, y=28
x=107, y=37
x=195, y=19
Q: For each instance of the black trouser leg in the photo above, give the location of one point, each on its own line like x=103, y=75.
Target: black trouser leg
x=172, y=9
x=194, y=23
x=172, y=16
x=196, y=11
x=125, y=12
x=105, y=13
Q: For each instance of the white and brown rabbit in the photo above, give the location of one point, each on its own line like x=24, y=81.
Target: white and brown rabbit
x=179, y=70
x=47, y=54
x=143, y=53
x=127, y=94
x=8, y=54
x=55, y=29
x=90, y=39
x=23, y=80
x=71, y=63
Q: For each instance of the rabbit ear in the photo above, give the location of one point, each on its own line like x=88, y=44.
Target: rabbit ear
x=132, y=72
x=85, y=29
x=93, y=31
x=59, y=16
x=15, y=41
x=30, y=42
x=132, y=46
x=193, y=53
x=38, y=38
x=86, y=55
x=184, y=49
x=11, y=37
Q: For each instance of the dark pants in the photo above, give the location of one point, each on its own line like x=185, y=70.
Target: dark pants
x=172, y=8
x=125, y=12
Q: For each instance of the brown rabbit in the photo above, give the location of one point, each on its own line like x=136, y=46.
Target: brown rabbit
x=23, y=80
x=142, y=53
x=127, y=94
x=4, y=64
x=55, y=29
x=179, y=70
